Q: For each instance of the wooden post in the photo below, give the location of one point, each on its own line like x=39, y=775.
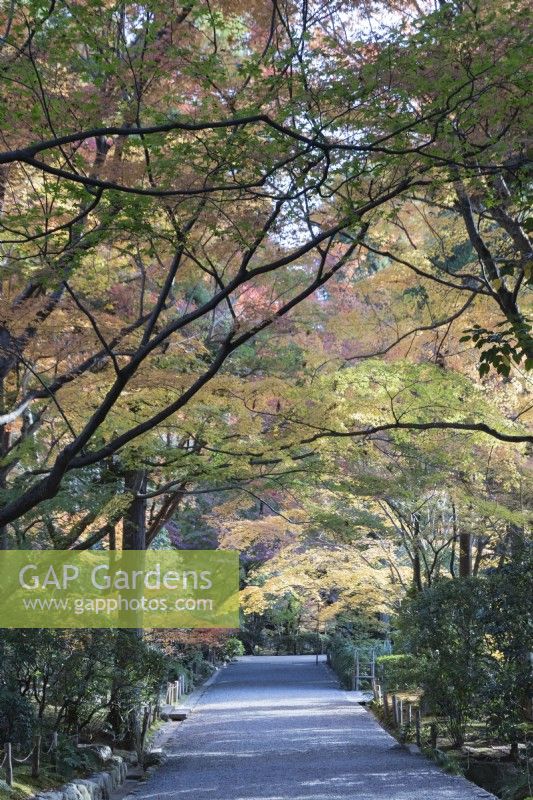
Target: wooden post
x=401, y=713
x=53, y=756
x=394, y=710
x=386, y=702
x=9, y=765
x=410, y=714
x=176, y=690
x=36, y=757
x=417, y=723
x=357, y=679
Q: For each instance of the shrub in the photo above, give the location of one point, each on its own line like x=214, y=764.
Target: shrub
x=16, y=718
x=444, y=626
x=342, y=652
x=397, y=672
x=233, y=648
x=473, y=638
x=341, y=655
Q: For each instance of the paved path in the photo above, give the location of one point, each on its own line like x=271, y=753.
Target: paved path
x=278, y=728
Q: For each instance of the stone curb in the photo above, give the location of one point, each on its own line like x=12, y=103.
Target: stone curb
x=98, y=786
x=195, y=697
x=414, y=750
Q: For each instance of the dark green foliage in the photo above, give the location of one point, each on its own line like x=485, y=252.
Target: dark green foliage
x=66, y=680
x=498, y=348
x=399, y=672
x=509, y=623
x=69, y=760
x=443, y=624
x=16, y=718
x=342, y=654
x=474, y=636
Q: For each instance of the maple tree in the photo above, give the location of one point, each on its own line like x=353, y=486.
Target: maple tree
x=117, y=180
x=265, y=286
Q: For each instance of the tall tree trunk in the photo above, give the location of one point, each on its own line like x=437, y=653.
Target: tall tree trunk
x=124, y=709
x=454, y=540
x=481, y=543
x=4, y=445
x=516, y=541
x=465, y=554
x=134, y=531
x=417, y=565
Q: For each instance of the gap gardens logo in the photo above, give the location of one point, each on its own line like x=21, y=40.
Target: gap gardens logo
x=129, y=589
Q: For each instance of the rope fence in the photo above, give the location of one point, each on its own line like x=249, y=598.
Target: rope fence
x=149, y=713
x=23, y=760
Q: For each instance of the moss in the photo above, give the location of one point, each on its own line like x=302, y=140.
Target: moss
x=25, y=786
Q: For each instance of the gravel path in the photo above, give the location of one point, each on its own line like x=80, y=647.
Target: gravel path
x=278, y=728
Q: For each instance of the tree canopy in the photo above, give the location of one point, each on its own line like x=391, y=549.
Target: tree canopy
x=266, y=286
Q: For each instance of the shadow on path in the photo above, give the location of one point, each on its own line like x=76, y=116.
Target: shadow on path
x=279, y=728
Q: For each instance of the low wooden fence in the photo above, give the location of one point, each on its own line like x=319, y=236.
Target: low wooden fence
x=176, y=689
x=405, y=715
x=9, y=760
x=149, y=713
x=364, y=664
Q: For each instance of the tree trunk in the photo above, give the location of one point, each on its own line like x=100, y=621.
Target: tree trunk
x=454, y=540
x=134, y=531
x=465, y=554
x=4, y=445
x=417, y=567
x=124, y=708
